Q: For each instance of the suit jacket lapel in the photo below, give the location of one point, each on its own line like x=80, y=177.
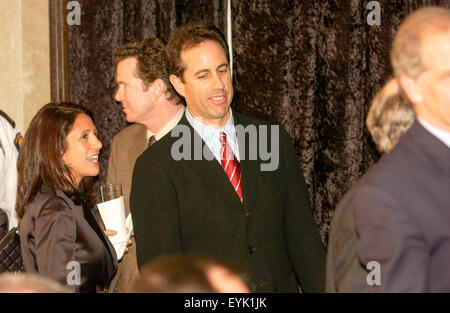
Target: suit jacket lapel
x=249, y=168
x=110, y=263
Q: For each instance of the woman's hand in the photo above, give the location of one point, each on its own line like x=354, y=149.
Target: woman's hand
x=110, y=233
x=129, y=240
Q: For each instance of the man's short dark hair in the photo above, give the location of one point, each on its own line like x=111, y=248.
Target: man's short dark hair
x=151, y=62
x=188, y=36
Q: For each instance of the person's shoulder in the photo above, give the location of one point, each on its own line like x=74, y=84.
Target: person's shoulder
x=394, y=171
x=7, y=125
x=129, y=131
x=131, y=137
x=52, y=196
x=48, y=200
x=9, y=120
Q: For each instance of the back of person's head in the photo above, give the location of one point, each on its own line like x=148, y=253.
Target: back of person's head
x=151, y=62
x=40, y=161
x=390, y=116
x=406, y=52
x=188, y=36
x=29, y=283
x=189, y=274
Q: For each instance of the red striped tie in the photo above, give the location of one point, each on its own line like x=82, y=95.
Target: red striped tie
x=231, y=165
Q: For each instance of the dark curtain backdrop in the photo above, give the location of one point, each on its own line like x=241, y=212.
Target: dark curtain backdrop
x=312, y=66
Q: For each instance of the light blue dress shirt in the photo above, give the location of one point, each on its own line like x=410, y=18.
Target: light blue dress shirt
x=211, y=135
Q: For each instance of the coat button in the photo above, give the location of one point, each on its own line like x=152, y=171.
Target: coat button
x=251, y=250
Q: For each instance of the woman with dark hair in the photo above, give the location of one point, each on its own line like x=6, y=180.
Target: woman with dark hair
x=59, y=236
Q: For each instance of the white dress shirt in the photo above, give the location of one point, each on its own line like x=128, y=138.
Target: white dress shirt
x=440, y=134
x=168, y=127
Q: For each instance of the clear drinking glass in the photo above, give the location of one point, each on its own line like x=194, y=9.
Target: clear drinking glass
x=110, y=191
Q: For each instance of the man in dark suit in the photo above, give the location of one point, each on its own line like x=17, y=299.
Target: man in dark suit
x=402, y=205
x=390, y=116
x=207, y=190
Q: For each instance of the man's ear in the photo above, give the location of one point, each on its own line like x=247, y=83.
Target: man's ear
x=177, y=84
x=159, y=87
x=411, y=89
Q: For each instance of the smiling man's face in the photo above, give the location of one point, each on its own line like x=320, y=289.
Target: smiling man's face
x=206, y=85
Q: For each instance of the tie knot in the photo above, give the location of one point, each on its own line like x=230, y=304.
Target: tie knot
x=151, y=140
x=223, y=138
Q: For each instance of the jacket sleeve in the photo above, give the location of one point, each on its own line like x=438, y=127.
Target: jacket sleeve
x=155, y=211
x=55, y=236
x=306, y=250
x=344, y=272
x=388, y=235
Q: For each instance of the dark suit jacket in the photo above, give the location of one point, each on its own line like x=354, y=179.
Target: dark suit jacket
x=344, y=272
x=190, y=207
x=126, y=146
x=402, y=215
x=54, y=231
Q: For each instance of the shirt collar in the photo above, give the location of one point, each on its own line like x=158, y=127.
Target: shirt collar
x=211, y=135
x=208, y=128
x=440, y=134
x=168, y=127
